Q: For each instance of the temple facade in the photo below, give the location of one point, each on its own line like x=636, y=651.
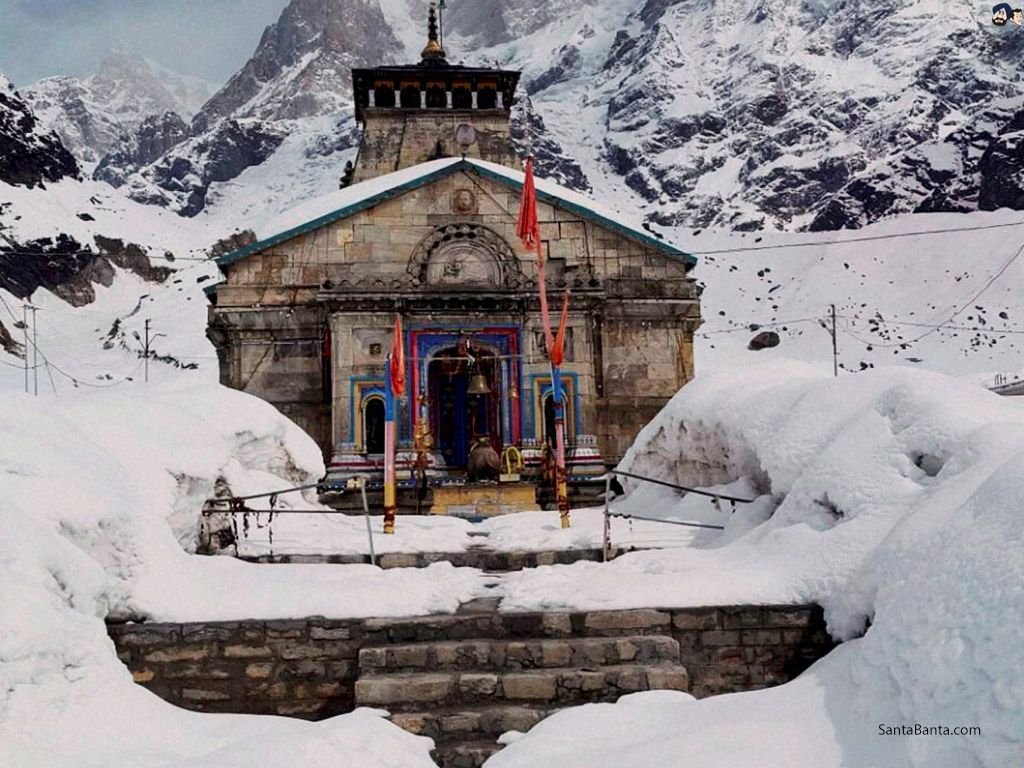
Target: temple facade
x=426, y=232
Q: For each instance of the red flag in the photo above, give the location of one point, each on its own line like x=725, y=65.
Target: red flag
x=528, y=228
x=557, y=351
x=398, y=360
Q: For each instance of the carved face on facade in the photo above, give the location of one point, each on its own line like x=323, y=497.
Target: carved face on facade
x=463, y=201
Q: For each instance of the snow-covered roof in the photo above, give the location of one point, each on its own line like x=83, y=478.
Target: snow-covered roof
x=329, y=208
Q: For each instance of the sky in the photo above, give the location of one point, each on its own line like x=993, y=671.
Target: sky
x=210, y=39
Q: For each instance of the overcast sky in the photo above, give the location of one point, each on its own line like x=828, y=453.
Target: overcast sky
x=207, y=38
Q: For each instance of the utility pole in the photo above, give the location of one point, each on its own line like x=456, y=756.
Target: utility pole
x=835, y=347
x=145, y=346
x=24, y=329
x=35, y=353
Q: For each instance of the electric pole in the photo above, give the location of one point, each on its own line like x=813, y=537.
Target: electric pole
x=145, y=346
x=835, y=347
x=35, y=353
x=24, y=329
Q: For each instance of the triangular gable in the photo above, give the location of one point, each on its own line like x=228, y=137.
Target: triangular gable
x=346, y=202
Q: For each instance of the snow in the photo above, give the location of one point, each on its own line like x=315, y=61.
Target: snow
x=95, y=486
x=893, y=498
x=366, y=191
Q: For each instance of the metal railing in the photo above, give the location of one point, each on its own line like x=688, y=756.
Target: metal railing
x=236, y=505
x=716, y=499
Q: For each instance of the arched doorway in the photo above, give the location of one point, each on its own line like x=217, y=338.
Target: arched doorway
x=459, y=417
x=373, y=425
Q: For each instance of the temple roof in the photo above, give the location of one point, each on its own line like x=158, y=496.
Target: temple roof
x=327, y=209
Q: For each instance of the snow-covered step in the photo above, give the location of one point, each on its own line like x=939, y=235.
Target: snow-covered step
x=406, y=692
x=486, y=654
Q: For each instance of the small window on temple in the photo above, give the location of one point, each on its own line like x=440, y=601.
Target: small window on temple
x=410, y=97
x=436, y=98
x=487, y=97
x=462, y=97
x=384, y=94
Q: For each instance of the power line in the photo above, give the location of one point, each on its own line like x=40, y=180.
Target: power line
x=49, y=254
x=864, y=239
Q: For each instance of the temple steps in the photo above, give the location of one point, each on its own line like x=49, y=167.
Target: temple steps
x=465, y=693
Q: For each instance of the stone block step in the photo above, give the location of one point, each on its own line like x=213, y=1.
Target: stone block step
x=460, y=724
x=470, y=754
x=410, y=692
x=485, y=655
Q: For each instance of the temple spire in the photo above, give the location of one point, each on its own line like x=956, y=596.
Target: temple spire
x=433, y=51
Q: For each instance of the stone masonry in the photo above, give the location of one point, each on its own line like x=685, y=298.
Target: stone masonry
x=315, y=668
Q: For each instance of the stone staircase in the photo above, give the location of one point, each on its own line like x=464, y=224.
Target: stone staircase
x=465, y=693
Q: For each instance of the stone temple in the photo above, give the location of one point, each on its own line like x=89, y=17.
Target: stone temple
x=426, y=231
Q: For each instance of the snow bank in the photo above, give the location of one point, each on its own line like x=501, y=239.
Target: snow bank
x=97, y=490
x=895, y=499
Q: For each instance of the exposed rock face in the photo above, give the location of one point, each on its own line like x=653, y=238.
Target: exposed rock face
x=779, y=113
x=70, y=269
x=153, y=139
x=8, y=344
x=91, y=114
x=29, y=155
x=301, y=66
x=550, y=159
x=182, y=177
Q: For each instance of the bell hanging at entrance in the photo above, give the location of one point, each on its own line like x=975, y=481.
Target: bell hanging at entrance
x=478, y=385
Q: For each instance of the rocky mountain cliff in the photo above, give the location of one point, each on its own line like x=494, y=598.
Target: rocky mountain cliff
x=91, y=114
x=301, y=66
x=30, y=154
x=777, y=114
x=759, y=114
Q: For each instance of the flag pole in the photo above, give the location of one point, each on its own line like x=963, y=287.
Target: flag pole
x=561, y=479
x=389, y=450
x=528, y=230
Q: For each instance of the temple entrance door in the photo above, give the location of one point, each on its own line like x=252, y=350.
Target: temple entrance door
x=457, y=417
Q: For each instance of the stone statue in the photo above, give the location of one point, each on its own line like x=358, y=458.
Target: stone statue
x=484, y=462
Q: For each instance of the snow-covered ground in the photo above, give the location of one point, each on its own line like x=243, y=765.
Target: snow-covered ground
x=895, y=501
x=99, y=487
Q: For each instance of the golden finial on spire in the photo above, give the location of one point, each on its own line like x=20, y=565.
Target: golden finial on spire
x=433, y=49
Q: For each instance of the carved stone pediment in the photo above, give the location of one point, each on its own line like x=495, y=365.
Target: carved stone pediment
x=465, y=255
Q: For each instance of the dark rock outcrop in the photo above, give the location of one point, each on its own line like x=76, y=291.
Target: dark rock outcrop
x=182, y=178
x=69, y=268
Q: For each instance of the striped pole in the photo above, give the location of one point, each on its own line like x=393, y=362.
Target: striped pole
x=561, y=480
x=389, y=450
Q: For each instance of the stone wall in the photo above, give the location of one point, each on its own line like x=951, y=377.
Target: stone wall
x=308, y=668
x=399, y=138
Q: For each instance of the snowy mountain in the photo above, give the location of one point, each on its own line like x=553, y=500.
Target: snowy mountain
x=90, y=114
x=772, y=114
x=763, y=114
x=301, y=66
x=30, y=154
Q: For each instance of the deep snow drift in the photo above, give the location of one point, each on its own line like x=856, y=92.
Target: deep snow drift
x=98, y=488
x=894, y=497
